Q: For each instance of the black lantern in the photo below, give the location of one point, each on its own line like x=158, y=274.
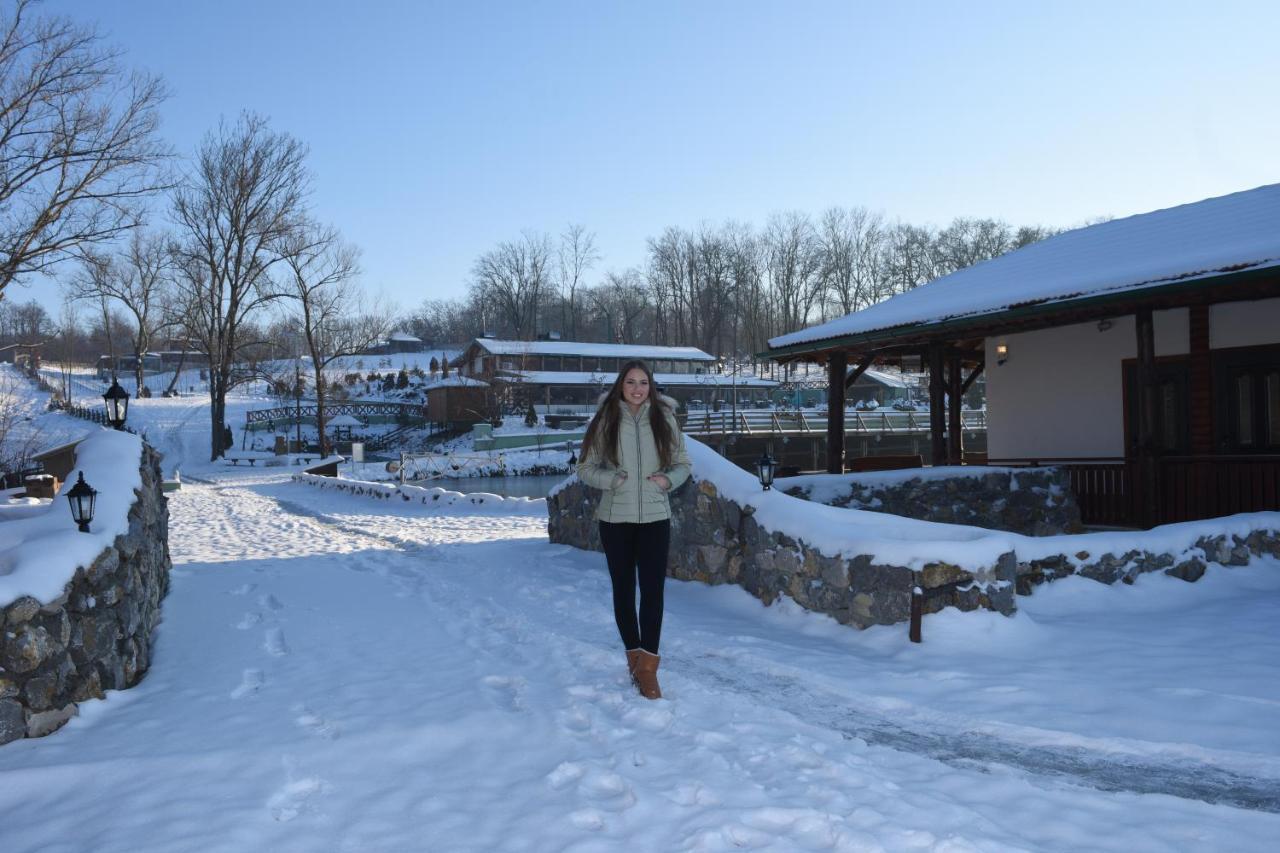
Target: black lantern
x=765, y=467
x=573, y=457
x=117, y=400
x=82, y=498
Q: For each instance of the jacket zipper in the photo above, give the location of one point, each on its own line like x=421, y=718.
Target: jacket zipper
x=640, y=466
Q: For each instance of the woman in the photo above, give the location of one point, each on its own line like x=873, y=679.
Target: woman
x=634, y=452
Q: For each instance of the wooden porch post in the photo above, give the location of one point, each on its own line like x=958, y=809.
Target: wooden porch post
x=837, y=364
x=937, y=403
x=955, y=440
x=1145, y=487
x=1201, y=391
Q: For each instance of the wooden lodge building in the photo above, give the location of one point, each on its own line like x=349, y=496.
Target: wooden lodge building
x=570, y=375
x=1142, y=353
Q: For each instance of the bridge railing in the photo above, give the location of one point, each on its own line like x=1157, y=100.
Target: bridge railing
x=764, y=421
x=400, y=412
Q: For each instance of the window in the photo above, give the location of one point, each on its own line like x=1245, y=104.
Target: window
x=551, y=362
x=1171, y=431
x=1247, y=388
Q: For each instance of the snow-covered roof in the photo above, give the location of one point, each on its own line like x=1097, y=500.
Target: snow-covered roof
x=1200, y=240
x=404, y=336
x=889, y=380
x=600, y=378
x=454, y=381
x=579, y=348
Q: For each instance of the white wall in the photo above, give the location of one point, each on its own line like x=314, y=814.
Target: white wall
x=1244, y=324
x=1061, y=391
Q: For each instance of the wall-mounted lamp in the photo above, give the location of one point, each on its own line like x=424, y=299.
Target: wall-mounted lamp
x=82, y=498
x=1002, y=352
x=1103, y=325
x=765, y=468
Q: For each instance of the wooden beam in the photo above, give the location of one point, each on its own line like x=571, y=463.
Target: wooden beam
x=837, y=366
x=955, y=442
x=1201, y=381
x=1144, y=326
x=937, y=404
x=974, y=374
x=866, y=362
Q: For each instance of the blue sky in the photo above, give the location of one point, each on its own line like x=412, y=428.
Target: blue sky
x=439, y=129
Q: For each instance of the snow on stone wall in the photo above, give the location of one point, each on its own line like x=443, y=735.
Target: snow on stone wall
x=96, y=634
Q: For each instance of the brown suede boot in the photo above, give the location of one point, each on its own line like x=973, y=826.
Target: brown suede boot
x=646, y=675
x=633, y=657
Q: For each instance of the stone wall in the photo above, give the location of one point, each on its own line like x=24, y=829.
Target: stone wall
x=96, y=636
x=1030, y=501
x=715, y=540
x=1112, y=565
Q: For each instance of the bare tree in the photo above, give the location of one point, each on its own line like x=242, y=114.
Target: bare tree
x=78, y=143
x=793, y=266
x=139, y=280
x=243, y=199
x=576, y=255
x=322, y=272
x=851, y=250
x=512, y=278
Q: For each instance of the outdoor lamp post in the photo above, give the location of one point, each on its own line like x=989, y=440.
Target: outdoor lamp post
x=765, y=467
x=82, y=498
x=573, y=457
x=117, y=400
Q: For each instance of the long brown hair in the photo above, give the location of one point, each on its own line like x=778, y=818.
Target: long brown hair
x=604, y=426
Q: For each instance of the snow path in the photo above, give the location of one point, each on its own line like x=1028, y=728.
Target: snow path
x=342, y=674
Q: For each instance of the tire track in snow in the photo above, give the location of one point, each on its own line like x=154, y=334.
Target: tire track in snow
x=1186, y=778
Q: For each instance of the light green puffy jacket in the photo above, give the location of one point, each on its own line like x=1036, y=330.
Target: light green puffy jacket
x=637, y=499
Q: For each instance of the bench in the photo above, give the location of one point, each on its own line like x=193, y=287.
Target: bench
x=861, y=464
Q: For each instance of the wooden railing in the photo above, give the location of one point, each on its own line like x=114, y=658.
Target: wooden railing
x=1189, y=488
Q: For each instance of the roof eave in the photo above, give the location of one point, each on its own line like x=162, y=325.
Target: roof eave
x=942, y=329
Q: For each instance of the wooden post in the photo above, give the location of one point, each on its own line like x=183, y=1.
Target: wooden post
x=917, y=615
x=937, y=404
x=955, y=435
x=1146, y=493
x=1201, y=391
x=837, y=365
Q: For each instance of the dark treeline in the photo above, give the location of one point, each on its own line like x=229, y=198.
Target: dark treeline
x=724, y=289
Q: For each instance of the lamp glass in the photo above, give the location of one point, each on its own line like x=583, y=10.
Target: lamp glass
x=83, y=499
x=117, y=400
x=765, y=468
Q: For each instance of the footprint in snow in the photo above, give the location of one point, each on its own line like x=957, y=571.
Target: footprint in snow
x=270, y=602
x=609, y=789
x=243, y=589
x=588, y=819
x=566, y=773
x=294, y=798
x=316, y=724
x=274, y=642
x=251, y=682
x=506, y=693
x=248, y=620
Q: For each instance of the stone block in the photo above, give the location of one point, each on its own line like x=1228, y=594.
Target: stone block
x=25, y=648
x=13, y=721
x=41, y=723
x=935, y=575
x=21, y=610
x=1188, y=570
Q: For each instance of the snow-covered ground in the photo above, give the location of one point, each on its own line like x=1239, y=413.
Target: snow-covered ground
x=340, y=673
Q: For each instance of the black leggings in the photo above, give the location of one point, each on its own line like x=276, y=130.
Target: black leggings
x=637, y=549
